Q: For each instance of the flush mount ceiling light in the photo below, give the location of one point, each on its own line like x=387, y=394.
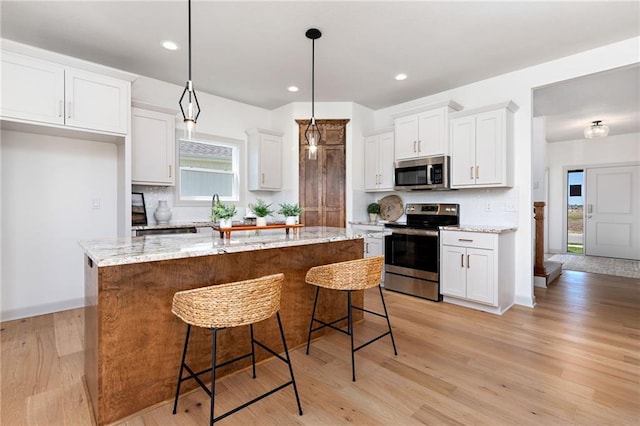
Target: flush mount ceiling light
x=401, y=77
x=312, y=134
x=596, y=130
x=192, y=112
x=293, y=88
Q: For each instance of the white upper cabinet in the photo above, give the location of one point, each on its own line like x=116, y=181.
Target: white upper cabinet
x=153, y=147
x=378, y=161
x=32, y=89
x=39, y=91
x=423, y=133
x=482, y=147
x=265, y=160
x=94, y=101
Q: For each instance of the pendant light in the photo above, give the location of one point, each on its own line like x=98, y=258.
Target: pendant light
x=312, y=134
x=192, y=112
x=596, y=130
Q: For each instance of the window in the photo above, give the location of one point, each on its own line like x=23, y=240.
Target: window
x=207, y=167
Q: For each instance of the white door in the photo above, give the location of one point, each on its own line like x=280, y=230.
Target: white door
x=385, y=161
x=406, y=134
x=371, y=177
x=463, y=151
x=489, y=147
x=453, y=273
x=613, y=212
x=271, y=162
x=480, y=280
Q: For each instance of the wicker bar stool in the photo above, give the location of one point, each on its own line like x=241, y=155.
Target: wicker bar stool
x=231, y=305
x=349, y=276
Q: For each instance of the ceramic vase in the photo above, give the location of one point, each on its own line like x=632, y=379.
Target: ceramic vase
x=261, y=221
x=291, y=220
x=162, y=213
x=226, y=223
x=373, y=217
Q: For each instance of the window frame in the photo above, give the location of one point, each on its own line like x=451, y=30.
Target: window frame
x=238, y=164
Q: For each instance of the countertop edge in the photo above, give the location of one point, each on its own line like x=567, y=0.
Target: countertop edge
x=487, y=229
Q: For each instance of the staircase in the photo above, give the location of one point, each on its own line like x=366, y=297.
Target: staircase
x=544, y=271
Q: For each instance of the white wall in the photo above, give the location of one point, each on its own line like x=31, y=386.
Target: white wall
x=517, y=86
x=49, y=185
x=612, y=150
x=219, y=117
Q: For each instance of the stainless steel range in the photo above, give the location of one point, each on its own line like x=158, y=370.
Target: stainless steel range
x=412, y=251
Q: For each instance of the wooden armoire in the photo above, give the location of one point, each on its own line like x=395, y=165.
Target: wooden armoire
x=322, y=181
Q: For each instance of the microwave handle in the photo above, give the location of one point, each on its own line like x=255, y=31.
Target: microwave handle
x=429, y=174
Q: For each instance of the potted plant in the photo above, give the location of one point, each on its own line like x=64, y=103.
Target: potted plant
x=373, y=209
x=291, y=212
x=261, y=210
x=223, y=213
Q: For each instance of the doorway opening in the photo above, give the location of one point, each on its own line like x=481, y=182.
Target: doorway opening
x=575, y=211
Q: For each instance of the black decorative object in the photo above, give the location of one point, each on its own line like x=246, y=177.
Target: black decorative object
x=192, y=112
x=312, y=134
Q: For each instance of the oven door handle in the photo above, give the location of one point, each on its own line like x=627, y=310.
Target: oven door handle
x=420, y=232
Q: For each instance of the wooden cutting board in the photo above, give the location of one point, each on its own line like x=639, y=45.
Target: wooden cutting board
x=391, y=208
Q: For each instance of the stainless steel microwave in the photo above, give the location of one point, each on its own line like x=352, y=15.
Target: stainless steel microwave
x=422, y=173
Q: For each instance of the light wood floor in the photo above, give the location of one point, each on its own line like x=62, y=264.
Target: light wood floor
x=574, y=359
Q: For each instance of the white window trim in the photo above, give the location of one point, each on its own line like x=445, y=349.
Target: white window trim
x=239, y=163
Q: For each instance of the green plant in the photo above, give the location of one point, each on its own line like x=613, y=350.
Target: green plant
x=222, y=211
x=373, y=208
x=287, y=209
x=260, y=208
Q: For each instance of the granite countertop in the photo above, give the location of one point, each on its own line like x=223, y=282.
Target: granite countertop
x=170, y=225
x=489, y=229
x=149, y=248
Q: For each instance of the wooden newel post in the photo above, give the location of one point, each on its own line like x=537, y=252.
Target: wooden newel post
x=538, y=268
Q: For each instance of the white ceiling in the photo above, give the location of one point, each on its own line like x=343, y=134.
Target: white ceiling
x=252, y=51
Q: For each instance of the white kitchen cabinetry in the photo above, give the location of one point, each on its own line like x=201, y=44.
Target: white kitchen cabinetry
x=482, y=147
x=477, y=269
x=423, y=133
x=373, y=241
x=378, y=161
x=153, y=147
x=35, y=90
x=265, y=160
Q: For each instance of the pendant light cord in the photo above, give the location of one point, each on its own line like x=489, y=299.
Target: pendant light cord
x=313, y=78
x=189, y=39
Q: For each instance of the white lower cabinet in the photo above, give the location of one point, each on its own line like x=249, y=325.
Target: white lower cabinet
x=477, y=269
x=373, y=242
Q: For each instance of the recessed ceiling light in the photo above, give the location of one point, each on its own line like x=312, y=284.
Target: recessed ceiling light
x=401, y=77
x=293, y=88
x=170, y=45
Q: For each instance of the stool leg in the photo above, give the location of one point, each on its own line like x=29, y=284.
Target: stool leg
x=350, y=328
x=386, y=315
x=313, y=316
x=184, y=355
x=253, y=352
x=286, y=352
x=213, y=373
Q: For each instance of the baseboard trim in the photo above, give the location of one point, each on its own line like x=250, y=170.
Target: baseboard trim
x=47, y=308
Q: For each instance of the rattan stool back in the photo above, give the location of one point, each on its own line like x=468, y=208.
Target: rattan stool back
x=230, y=305
x=359, y=274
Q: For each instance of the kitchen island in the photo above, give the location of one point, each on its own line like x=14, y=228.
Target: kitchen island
x=133, y=342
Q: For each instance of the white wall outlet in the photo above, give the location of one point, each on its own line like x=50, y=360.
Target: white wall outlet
x=510, y=206
x=488, y=206
x=95, y=203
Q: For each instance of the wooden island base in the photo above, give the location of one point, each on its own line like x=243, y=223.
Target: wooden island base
x=133, y=342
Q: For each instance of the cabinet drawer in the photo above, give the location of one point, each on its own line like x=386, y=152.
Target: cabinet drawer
x=469, y=239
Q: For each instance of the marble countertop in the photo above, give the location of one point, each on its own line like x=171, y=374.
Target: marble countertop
x=149, y=248
x=490, y=229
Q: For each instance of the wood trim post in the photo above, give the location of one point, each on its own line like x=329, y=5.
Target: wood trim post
x=538, y=209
